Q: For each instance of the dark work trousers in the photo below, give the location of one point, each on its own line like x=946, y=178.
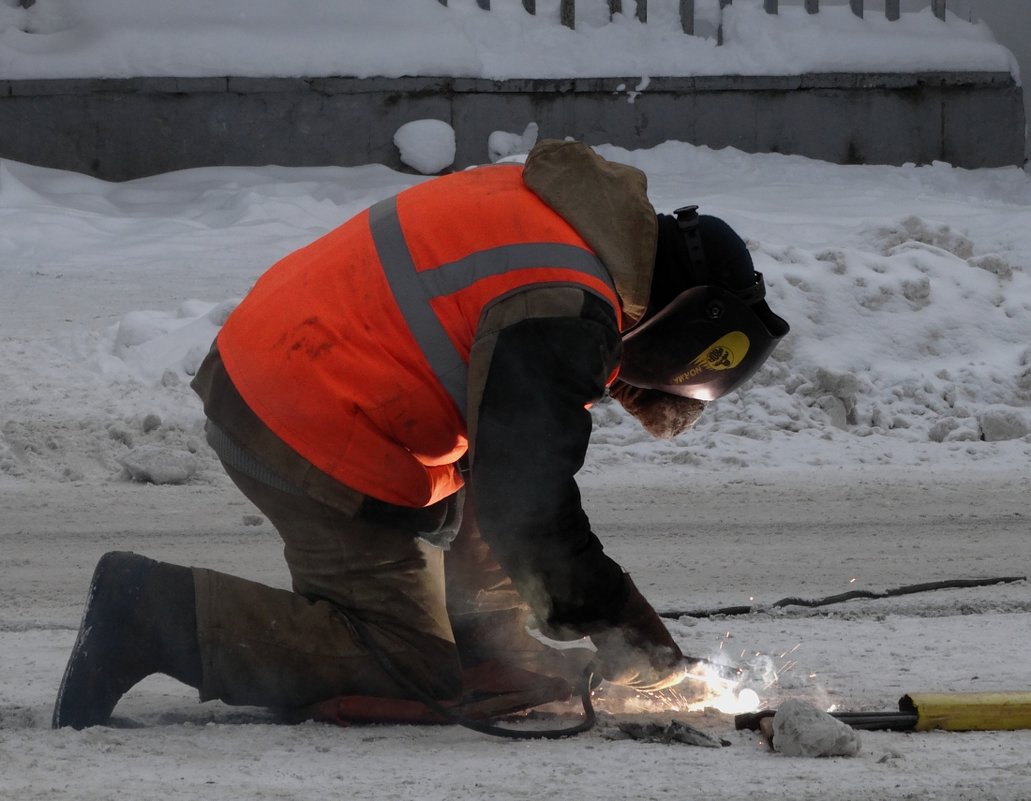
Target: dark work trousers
x=271, y=647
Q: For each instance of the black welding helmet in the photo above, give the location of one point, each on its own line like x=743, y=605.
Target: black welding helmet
x=717, y=330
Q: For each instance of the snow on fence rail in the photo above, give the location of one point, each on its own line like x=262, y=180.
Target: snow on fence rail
x=567, y=9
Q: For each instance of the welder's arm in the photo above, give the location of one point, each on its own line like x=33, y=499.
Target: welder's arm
x=530, y=430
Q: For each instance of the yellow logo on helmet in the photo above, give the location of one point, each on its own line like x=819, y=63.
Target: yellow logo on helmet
x=725, y=353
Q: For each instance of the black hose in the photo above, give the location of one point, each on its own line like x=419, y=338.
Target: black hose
x=846, y=596
x=483, y=727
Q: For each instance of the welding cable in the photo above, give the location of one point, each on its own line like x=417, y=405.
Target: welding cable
x=911, y=589
x=483, y=727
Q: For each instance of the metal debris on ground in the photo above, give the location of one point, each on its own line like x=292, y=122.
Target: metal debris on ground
x=673, y=732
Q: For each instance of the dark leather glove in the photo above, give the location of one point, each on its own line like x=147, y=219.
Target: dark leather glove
x=637, y=651
x=662, y=415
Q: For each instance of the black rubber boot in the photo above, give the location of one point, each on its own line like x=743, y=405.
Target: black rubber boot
x=139, y=619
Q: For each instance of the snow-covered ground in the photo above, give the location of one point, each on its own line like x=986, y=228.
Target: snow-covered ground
x=886, y=443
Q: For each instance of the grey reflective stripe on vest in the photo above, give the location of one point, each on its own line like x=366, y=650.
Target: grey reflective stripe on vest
x=413, y=290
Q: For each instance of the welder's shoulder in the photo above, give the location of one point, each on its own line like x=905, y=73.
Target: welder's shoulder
x=568, y=334
x=552, y=302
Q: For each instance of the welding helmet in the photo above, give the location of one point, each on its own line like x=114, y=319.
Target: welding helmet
x=715, y=334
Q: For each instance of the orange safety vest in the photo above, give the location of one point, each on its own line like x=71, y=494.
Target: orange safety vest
x=354, y=350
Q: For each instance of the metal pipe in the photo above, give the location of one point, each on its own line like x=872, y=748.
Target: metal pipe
x=530, y=6
x=878, y=721
x=938, y=6
x=642, y=10
x=857, y=7
x=891, y=9
x=812, y=6
x=770, y=6
x=870, y=721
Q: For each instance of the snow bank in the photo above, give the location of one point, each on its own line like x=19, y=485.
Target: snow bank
x=907, y=289
x=392, y=38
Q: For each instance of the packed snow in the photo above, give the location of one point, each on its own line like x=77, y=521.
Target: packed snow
x=427, y=146
x=391, y=38
x=885, y=443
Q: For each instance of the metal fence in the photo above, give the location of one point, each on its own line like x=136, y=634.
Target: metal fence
x=567, y=9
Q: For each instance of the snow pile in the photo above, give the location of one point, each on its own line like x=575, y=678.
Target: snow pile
x=427, y=146
x=907, y=289
x=503, y=144
x=150, y=344
x=392, y=38
x=155, y=465
x=894, y=335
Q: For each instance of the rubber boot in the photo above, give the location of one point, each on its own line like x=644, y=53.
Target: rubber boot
x=139, y=619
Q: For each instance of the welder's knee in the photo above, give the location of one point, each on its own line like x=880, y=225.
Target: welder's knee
x=434, y=668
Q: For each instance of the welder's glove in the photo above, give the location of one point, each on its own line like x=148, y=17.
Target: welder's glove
x=662, y=415
x=637, y=651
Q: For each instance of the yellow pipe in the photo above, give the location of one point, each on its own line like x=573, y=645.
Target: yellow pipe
x=969, y=711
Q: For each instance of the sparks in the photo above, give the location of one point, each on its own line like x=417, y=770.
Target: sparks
x=734, y=704
x=787, y=667
x=715, y=691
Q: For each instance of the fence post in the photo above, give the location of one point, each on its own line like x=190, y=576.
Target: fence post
x=770, y=6
x=484, y=4
x=938, y=6
x=615, y=7
x=442, y=2
x=687, y=16
x=891, y=10
x=530, y=6
x=642, y=10
x=857, y=7
x=719, y=30
x=567, y=13
x=812, y=6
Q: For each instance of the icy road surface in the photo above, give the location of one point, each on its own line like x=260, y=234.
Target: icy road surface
x=748, y=539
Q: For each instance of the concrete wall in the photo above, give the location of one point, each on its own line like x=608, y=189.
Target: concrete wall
x=1010, y=22
x=121, y=129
